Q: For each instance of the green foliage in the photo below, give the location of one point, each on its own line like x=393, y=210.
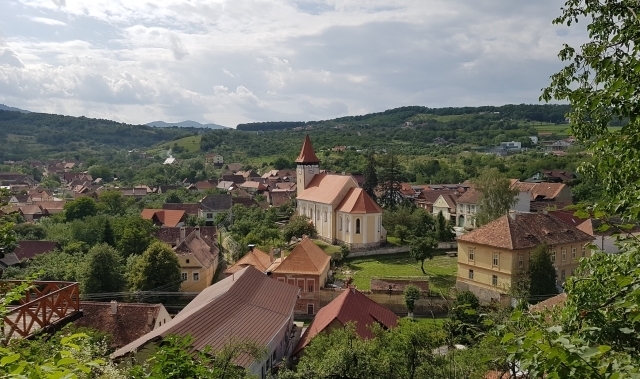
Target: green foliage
x=390, y=180
x=158, y=267
x=56, y=265
x=496, y=196
x=113, y=203
x=297, y=227
x=370, y=175
x=102, y=270
x=465, y=320
x=417, y=221
x=423, y=248
x=541, y=273
x=136, y=235
x=444, y=229
x=411, y=295
x=254, y=225
x=80, y=208
x=8, y=239
x=30, y=231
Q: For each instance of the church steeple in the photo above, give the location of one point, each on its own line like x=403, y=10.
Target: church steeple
x=308, y=165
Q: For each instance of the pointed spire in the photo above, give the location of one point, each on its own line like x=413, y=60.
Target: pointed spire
x=307, y=156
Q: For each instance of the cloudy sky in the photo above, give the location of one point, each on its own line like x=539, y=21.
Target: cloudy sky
x=237, y=61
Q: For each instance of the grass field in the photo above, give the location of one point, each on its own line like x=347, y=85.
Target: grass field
x=191, y=144
x=441, y=270
x=329, y=249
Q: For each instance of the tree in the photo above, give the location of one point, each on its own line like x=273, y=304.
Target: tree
x=423, y=248
x=8, y=240
x=390, y=180
x=282, y=163
x=541, y=273
x=411, y=295
x=107, y=234
x=157, y=268
x=444, y=229
x=464, y=323
x=496, y=195
x=30, y=231
x=402, y=232
x=370, y=175
x=298, y=226
x=136, y=236
x=102, y=271
x=101, y=172
x=112, y=202
x=80, y=208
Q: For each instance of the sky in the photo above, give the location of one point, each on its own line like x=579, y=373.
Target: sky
x=235, y=61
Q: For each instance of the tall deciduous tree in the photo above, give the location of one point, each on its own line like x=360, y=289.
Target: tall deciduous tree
x=541, y=273
x=102, y=271
x=370, y=175
x=496, y=195
x=136, y=236
x=8, y=239
x=80, y=208
x=390, y=180
x=113, y=203
x=423, y=248
x=157, y=268
x=297, y=227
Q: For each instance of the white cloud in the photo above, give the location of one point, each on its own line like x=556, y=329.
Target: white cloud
x=231, y=61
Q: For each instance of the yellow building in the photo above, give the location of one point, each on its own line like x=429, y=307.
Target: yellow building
x=490, y=257
x=198, y=257
x=341, y=212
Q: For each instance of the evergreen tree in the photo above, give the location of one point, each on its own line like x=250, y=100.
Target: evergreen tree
x=102, y=271
x=444, y=229
x=390, y=179
x=541, y=273
x=370, y=175
x=107, y=234
x=157, y=268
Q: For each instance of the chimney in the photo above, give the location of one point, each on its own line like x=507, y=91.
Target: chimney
x=198, y=231
x=271, y=255
x=251, y=247
x=114, y=307
x=281, y=255
x=513, y=215
x=183, y=231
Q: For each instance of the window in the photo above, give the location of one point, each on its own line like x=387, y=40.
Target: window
x=470, y=274
x=357, y=226
x=340, y=223
x=520, y=261
x=553, y=256
x=209, y=215
x=325, y=216
x=310, y=287
x=183, y=276
x=309, y=309
x=187, y=261
x=318, y=216
x=310, y=284
x=496, y=259
x=310, y=169
x=494, y=280
x=564, y=254
x=196, y=276
x=562, y=275
x=584, y=248
x=347, y=226
x=301, y=284
x=573, y=253
x=472, y=253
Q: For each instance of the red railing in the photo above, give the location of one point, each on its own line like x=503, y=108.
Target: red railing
x=45, y=303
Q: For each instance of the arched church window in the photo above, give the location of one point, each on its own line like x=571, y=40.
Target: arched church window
x=357, y=226
x=347, y=227
x=340, y=223
x=318, y=215
x=325, y=216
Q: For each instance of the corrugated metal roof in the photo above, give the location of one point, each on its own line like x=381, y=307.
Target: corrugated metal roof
x=247, y=306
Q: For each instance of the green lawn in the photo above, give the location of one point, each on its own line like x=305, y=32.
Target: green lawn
x=441, y=270
x=329, y=249
x=191, y=144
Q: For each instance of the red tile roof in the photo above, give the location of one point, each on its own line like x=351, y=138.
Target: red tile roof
x=166, y=217
x=528, y=230
x=306, y=258
x=550, y=303
x=256, y=258
x=350, y=306
x=188, y=208
x=247, y=306
x=131, y=321
x=30, y=249
x=171, y=235
x=358, y=201
x=307, y=156
x=471, y=196
x=200, y=247
x=325, y=188
x=547, y=191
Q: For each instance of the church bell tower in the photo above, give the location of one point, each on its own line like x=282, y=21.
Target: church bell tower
x=308, y=165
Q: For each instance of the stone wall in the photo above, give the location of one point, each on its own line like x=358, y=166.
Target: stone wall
x=397, y=285
x=426, y=306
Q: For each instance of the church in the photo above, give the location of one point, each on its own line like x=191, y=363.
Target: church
x=341, y=212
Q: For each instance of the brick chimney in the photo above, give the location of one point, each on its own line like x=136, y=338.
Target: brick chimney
x=271, y=252
x=198, y=231
x=183, y=231
x=114, y=307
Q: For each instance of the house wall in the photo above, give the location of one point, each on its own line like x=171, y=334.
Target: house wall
x=205, y=274
x=523, y=202
x=510, y=262
x=304, y=282
x=468, y=212
x=162, y=318
x=370, y=230
x=278, y=347
x=441, y=205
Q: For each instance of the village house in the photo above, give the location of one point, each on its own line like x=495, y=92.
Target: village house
x=490, y=257
x=212, y=205
x=553, y=176
x=173, y=236
x=352, y=306
x=124, y=322
x=26, y=250
x=246, y=306
x=164, y=217
x=254, y=188
x=342, y=212
x=256, y=258
x=198, y=258
x=191, y=209
x=213, y=158
x=468, y=208
x=536, y=197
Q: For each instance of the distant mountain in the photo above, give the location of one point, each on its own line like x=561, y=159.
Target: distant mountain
x=8, y=108
x=185, y=124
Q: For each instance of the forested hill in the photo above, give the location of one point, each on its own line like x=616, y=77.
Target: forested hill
x=34, y=135
x=525, y=112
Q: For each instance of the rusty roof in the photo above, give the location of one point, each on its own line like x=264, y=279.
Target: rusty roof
x=550, y=303
x=527, y=230
x=471, y=196
x=351, y=306
x=306, y=258
x=358, y=201
x=325, y=188
x=131, y=321
x=306, y=153
x=200, y=247
x=247, y=306
x=30, y=249
x=166, y=217
x=256, y=258
x=547, y=191
x=171, y=235
x=188, y=208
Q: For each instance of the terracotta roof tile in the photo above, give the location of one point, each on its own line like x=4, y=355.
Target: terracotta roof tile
x=306, y=153
x=552, y=302
x=171, y=235
x=325, y=188
x=247, y=305
x=306, y=258
x=131, y=321
x=358, y=201
x=30, y=249
x=188, y=208
x=350, y=306
x=166, y=217
x=256, y=258
x=547, y=191
x=471, y=196
x=201, y=247
x=528, y=230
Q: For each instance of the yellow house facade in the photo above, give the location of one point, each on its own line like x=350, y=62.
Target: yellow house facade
x=490, y=257
x=198, y=258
